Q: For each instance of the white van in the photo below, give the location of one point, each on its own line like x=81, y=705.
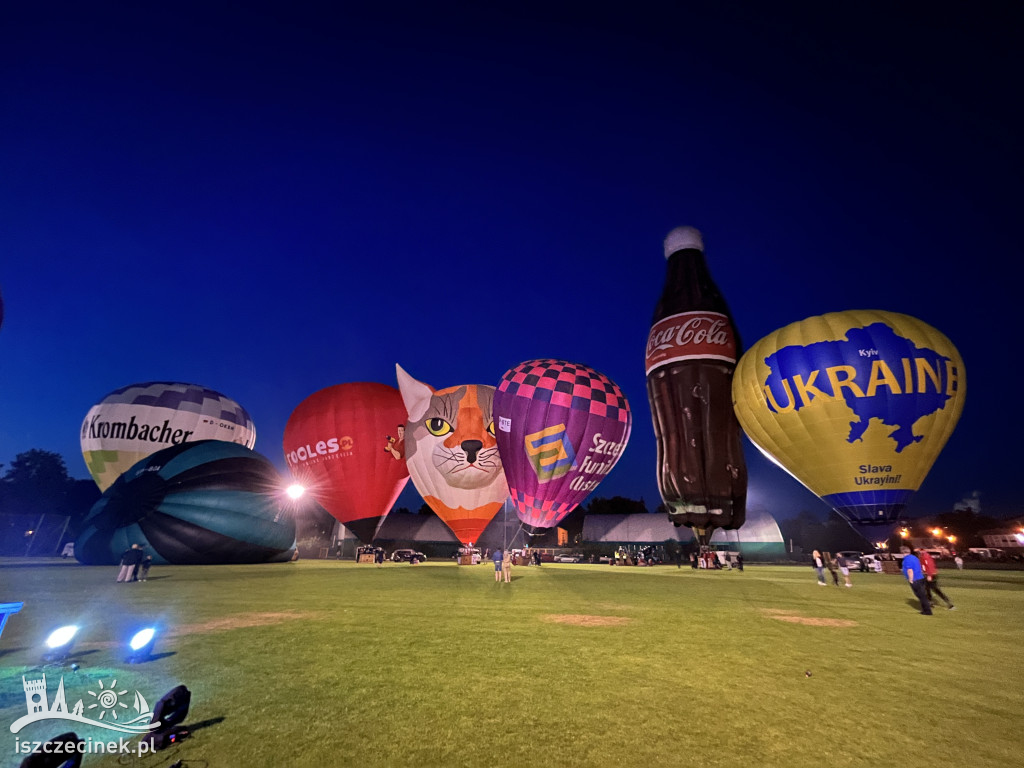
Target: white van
x=985, y=553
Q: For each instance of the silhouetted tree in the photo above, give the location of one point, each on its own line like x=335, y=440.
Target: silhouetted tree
x=967, y=525
x=36, y=484
x=809, y=532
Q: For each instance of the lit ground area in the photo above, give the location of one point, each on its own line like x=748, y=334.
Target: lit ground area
x=320, y=663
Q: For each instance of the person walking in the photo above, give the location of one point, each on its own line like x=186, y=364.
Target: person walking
x=844, y=568
x=147, y=563
x=497, y=556
x=506, y=566
x=931, y=579
x=739, y=560
x=139, y=556
x=915, y=576
x=819, y=567
x=959, y=562
x=833, y=569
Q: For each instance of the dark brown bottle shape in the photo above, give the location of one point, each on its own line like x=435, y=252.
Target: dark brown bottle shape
x=691, y=355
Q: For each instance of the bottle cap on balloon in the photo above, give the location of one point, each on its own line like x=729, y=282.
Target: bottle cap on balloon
x=682, y=238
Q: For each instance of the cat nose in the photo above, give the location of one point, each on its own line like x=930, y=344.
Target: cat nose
x=472, y=448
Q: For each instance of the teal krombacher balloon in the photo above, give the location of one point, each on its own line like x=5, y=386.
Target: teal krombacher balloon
x=204, y=503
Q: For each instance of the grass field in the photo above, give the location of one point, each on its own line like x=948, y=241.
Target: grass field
x=325, y=663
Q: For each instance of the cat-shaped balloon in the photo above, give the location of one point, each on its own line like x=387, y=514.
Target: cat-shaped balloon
x=452, y=455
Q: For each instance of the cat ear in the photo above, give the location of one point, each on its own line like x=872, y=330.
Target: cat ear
x=415, y=394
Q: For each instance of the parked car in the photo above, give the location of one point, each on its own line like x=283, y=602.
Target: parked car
x=568, y=558
x=407, y=556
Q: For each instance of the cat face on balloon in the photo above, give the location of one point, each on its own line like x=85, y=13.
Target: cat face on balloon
x=451, y=431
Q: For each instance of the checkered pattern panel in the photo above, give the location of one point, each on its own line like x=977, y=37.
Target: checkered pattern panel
x=182, y=397
x=570, y=385
x=530, y=506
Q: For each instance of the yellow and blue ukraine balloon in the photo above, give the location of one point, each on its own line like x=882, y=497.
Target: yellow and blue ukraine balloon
x=855, y=405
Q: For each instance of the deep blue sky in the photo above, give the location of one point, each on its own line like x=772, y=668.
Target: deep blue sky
x=269, y=201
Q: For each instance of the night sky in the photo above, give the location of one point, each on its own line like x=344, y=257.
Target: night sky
x=268, y=200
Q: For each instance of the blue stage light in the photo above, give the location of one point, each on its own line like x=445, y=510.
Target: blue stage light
x=140, y=647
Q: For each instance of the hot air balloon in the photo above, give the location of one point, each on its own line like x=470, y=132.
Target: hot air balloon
x=135, y=421
x=344, y=444
x=855, y=405
x=452, y=454
x=196, y=503
x=561, y=428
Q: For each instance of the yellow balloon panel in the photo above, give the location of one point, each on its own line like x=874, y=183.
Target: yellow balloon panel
x=856, y=405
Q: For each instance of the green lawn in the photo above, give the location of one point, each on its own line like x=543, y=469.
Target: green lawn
x=324, y=663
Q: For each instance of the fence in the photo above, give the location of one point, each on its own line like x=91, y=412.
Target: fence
x=33, y=535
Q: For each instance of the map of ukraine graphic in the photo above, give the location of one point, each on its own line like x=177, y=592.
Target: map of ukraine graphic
x=896, y=410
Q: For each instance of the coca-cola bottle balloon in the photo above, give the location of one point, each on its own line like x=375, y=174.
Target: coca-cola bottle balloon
x=691, y=355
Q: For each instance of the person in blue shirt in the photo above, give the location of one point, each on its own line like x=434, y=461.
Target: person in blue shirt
x=914, y=574
x=497, y=564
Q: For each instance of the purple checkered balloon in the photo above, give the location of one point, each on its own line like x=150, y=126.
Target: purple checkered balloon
x=561, y=427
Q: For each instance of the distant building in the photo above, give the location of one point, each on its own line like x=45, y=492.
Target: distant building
x=758, y=537
x=1010, y=540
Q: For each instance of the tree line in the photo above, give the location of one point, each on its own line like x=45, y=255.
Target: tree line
x=35, y=489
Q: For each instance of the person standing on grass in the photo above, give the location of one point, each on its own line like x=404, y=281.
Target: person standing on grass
x=914, y=574
x=506, y=566
x=498, y=558
x=130, y=560
x=959, y=562
x=844, y=568
x=819, y=567
x=832, y=569
x=931, y=579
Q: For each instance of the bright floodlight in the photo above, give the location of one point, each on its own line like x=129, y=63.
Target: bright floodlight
x=141, y=645
x=142, y=638
x=295, y=491
x=59, y=643
x=61, y=637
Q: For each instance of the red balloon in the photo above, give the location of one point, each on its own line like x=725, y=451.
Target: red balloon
x=344, y=444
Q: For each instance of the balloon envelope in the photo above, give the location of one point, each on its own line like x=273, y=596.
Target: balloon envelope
x=452, y=453
x=202, y=503
x=136, y=421
x=855, y=405
x=336, y=443
x=561, y=428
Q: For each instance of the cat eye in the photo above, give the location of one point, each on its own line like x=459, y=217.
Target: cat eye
x=490, y=429
x=437, y=426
